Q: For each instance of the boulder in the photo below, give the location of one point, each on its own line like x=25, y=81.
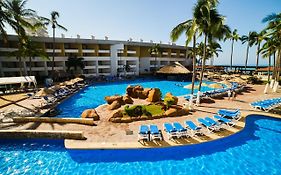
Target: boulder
x=127, y=99
x=114, y=105
x=169, y=95
x=137, y=90
x=116, y=116
x=90, y=113
x=129, y=91
x=126, y=119
x=172, y=112
x=111, y=99
x=183, y=111
x=154, y=95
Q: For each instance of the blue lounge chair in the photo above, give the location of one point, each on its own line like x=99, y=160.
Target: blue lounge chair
x=194, y=129
x=267, y=104
x=216, y=125
x=181, y=131
x=143, y=133
x=234, y=115
x=171, y=131
x=224, y=120
x=206, y=124
x=155, y=133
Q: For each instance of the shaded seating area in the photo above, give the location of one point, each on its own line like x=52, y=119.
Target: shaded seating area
x=17, y=84
x=267, y=104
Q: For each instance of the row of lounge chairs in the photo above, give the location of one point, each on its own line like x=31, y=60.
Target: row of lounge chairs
x=218, y=92
x=267, y=105
x=176, y=130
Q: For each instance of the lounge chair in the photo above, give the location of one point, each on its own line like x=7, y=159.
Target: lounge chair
x=206, y=124
x=194, y=129
x=224, y=120
x=143, y=133
x=181, y=131
x=267, y=104
x=234, y=115
x=171, y=131
x=216, y=125
x=155, y=133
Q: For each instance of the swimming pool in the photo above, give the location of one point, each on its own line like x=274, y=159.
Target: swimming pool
x=93, y=96
x=254, y=150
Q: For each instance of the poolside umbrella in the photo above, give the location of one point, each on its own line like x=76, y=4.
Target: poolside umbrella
x=216, y=86
x=238, y=80
x=78, y=79
x=44, y=92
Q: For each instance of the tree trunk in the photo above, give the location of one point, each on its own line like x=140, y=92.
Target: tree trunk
x=268, y=71
x=278, y=62
x=258, y=56
x=247, y=57
x=53, y=59
x=274, y=66
x=193, y=64
x=203, y=63
x=231, y=55
x=29, y=66
x=20, y=65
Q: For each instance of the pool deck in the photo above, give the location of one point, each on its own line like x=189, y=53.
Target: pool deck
x=107, y=135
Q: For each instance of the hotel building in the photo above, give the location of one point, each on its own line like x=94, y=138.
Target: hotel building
x=101, y=57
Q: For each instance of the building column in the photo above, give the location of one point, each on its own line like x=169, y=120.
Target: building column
x=46, y=68
x=114, y=57
x=1, y=70
x=97, y=67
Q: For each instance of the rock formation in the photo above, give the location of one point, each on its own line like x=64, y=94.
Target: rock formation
x=90, y=113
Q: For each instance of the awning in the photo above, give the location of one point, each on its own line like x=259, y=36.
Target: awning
x=18, y=80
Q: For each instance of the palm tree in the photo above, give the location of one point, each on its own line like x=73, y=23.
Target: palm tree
x=233, y=36
x=155, y=51
x=267, y=51
x=75, y=62
x=273, y=30
x=31, y=51
x=249, y=39
x=258, y=38
x=53, y=21
x=18, y=13
x=211, y=23
x=190, y=28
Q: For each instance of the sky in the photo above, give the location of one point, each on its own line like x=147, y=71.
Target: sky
x=154, y=20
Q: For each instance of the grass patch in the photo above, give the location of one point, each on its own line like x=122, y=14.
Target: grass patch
x=147, y=110
x=154, y=109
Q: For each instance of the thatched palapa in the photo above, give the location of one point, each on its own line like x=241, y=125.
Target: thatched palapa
x=175, y=68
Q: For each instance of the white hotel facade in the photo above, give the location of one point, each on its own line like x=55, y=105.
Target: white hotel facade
x=101, y=57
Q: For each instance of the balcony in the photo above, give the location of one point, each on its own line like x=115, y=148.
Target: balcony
x=88, y=51
x=71, y=51
x=3, y=49
x=51, y=50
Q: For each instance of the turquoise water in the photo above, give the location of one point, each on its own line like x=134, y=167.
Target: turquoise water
x=256, y=150
x=93, y=96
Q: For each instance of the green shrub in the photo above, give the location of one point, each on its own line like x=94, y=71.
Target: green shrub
x=135, y=111
x=168, y=101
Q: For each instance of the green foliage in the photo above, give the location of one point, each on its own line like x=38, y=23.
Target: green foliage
x=139, y=110
x=168, y=101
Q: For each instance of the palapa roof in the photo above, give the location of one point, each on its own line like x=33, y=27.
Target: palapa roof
x=175, y=68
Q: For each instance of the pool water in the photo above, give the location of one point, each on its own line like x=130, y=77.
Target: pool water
x=255, y=150
x=93, y=96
